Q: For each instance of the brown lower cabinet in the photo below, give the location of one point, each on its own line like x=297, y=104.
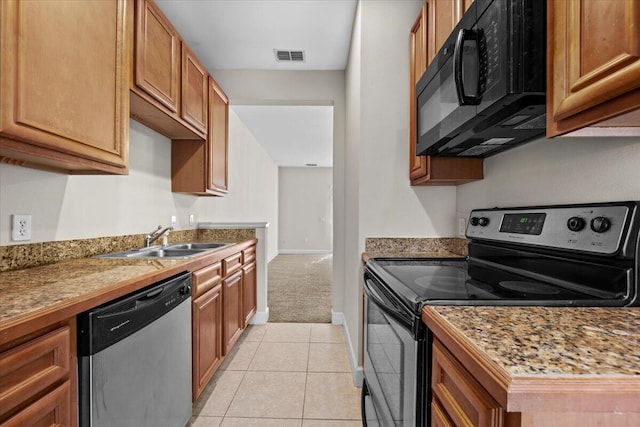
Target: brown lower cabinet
x=458, y=399
x=38, y=377
x=233, y=317
x=207, y=337
x=468, y=392
x=248, y=292
x=224, y=300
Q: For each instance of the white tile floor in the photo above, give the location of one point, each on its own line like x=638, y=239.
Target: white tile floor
x=281, y=375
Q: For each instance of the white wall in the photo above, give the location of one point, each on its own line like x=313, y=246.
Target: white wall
x=556, y=171
x=84, y=206
x=253, y=185
x=351, y=292
x=305, y=209
x=303, y=88
x=380, y=200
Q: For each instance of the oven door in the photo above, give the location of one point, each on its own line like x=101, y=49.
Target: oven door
x=391, y=361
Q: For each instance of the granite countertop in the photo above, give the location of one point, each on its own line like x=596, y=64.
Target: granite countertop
x=33, y=289
x=33, y=297
x=526, y=347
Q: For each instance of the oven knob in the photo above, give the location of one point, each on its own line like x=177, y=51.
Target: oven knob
x=576, y=223
x=600, y=224
x=483, y=221
x=474, y=221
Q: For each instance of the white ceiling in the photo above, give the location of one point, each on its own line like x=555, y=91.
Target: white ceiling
x=242, y=34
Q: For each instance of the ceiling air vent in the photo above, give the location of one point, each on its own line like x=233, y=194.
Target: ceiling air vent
x=289, y=55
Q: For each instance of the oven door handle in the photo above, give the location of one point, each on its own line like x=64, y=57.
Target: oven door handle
x=391, y=307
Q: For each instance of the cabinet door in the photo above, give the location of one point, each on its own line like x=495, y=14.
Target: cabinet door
x=207, y=338
x=594, y=63
x=439, y=417
x=53, y=409
x=218, y=140
x=418, y=63
x=157, y=55
x=195, y=80
x=233, y=316
x=248, y=292
x=64, y=76
x=27, y=370
x=443, y=17
x=459, y=395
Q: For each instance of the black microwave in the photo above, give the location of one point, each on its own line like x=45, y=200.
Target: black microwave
x=484, y=92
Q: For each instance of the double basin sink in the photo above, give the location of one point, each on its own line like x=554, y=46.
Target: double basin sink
x=175, y=250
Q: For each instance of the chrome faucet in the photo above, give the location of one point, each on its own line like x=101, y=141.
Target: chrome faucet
x=156, y=234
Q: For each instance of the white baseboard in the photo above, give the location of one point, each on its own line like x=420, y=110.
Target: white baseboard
x=260, y=317
x=356, y=371
x=303, y=251
x=337, y=318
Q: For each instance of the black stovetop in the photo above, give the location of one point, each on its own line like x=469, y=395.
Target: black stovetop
x=456, y=281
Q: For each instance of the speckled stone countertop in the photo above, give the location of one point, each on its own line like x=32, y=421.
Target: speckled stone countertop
x=411, y=247
x=31, y=297
x=30, y=290
x=552, y=341
x=535, y=345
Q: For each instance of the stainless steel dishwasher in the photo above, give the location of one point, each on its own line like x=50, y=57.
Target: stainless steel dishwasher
x=134, y=358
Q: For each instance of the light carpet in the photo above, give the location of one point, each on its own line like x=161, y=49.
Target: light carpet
x=299, y=288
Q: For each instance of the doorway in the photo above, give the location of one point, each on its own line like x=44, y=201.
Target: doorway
x=299, y=138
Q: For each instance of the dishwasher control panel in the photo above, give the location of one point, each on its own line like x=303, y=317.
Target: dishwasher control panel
x=109, y=323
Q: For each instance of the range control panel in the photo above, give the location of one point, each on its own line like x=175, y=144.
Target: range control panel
x=594, y=228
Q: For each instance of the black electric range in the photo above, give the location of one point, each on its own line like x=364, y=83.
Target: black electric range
x=570, y=255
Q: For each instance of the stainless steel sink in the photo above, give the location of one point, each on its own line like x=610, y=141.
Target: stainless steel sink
x=167, y=253
x=183, y=246
x=176, y=251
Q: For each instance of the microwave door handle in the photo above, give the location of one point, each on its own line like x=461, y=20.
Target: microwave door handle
x=458, y=55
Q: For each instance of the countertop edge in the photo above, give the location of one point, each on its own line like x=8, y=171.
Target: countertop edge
x=26, y=324
x=536, y=393
x=490, y=375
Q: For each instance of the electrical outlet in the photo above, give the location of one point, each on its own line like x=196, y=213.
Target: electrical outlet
x=173, y=221
x=462, y=225
x=21, y=227
x=192, y=220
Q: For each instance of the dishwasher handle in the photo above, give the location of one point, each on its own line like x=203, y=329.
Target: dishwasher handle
x=109, y=323
x=132, y=306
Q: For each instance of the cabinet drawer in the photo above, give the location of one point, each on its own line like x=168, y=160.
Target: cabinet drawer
x=463, y=399
x=53, y=409
x=248, y=255
x=32, y=367
x=439, y=417
x=206, y=278
x=231, y=264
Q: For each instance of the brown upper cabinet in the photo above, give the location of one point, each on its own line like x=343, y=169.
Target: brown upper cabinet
x=593, y=67
x=157, y=65
x=169, y=92
x=199, y=167
x=195, y=81
x=64, y=76
x=434, y=23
